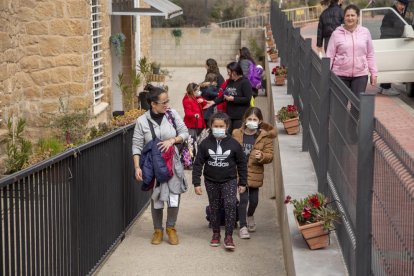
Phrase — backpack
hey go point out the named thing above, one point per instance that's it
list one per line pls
(255, 75)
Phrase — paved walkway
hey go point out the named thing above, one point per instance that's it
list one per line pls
(261, 255)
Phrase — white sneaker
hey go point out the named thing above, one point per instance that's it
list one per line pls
(244, 233)
(251, 224)
(389, 92)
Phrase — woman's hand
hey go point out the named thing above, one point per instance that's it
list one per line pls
(165, 145)
(258, 154)
(242, 189)
(209, 103)
(138, 174)
(198, 190)
(200, 100)
(373, 80)
(229, 98)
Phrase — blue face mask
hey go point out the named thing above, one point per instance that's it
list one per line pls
(219, 132)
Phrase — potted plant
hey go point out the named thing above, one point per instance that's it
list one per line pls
(177, 34)
(280, 73)
(269, 41)
(314, 218)
(289, 116)
(155, 66)
(118, 41)
(273, 53)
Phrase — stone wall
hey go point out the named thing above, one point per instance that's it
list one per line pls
(198, 44)
(45, 54)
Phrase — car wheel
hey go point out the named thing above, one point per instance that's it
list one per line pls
(410, 89)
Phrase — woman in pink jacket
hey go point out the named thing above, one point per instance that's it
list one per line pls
(351, 52)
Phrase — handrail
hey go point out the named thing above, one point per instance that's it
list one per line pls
(254, 21)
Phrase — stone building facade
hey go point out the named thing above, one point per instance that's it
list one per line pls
(46, 57)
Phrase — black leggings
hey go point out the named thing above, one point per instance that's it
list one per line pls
(249, 197)
(226, 192)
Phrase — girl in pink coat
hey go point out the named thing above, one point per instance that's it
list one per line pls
(351, 52)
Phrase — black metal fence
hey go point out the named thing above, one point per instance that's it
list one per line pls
(357, 161)
(63, 216)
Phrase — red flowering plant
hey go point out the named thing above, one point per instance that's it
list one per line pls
(287, 112)
(279, 70)
(314, 208)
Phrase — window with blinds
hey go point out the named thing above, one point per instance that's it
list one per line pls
(97, 51)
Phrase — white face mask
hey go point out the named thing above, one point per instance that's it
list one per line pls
(219, 132)
(198, 93)
(252, 125)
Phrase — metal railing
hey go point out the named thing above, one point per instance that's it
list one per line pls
(357, 161)
(298, 17)
(303, 15)
(63, 216)
(255, 21)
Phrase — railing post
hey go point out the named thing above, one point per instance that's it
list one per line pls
(307, 61)
(323, 125)
(365, 175)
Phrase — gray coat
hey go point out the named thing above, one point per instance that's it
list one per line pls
(142, 135)
(245, 64)
(142, 132)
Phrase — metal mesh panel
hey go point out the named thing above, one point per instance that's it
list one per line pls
(392, 208)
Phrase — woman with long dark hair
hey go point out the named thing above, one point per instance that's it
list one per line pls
(212, 67)
(237, 95)
(158, 121)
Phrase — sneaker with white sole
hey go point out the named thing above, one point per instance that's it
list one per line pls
(389, 92)
(244, 233)
(251, 225)
(228, 243)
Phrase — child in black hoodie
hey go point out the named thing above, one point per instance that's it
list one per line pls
(223, 160)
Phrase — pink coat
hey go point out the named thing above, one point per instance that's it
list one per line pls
(352, 53)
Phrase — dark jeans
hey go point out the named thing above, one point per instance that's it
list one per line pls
(228, 193)
(325, 42)
(356, 84)
(249, 197)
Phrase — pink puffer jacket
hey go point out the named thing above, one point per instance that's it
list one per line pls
(352, 53)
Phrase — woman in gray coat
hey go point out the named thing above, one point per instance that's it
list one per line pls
(170, 135)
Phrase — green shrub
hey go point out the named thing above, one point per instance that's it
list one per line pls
(18, 148)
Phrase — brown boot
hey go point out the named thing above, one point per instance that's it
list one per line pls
(172, 235)
(157, 237)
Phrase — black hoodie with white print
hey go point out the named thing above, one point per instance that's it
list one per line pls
(223, 160)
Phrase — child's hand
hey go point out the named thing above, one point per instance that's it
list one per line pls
(258, 154)
(242, 189)
(198, 190)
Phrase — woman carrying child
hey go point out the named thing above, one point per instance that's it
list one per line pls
(221, 159)
(209, 91)
(256, 138)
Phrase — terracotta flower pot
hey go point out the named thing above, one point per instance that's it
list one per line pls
(280, 80)
(274, 57)
(291, 125)
(314, 234)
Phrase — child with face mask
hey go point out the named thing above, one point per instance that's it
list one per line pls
(221, 159)
(256, 138)
(193, 105)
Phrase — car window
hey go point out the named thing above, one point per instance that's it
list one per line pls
(382, 23)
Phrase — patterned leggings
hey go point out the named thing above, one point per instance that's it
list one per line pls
(226, 192)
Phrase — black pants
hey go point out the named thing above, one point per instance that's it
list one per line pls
(228, 192)
(251, 198)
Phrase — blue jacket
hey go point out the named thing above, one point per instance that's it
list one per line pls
(153, 165)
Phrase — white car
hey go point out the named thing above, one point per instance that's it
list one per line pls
(394, 56)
